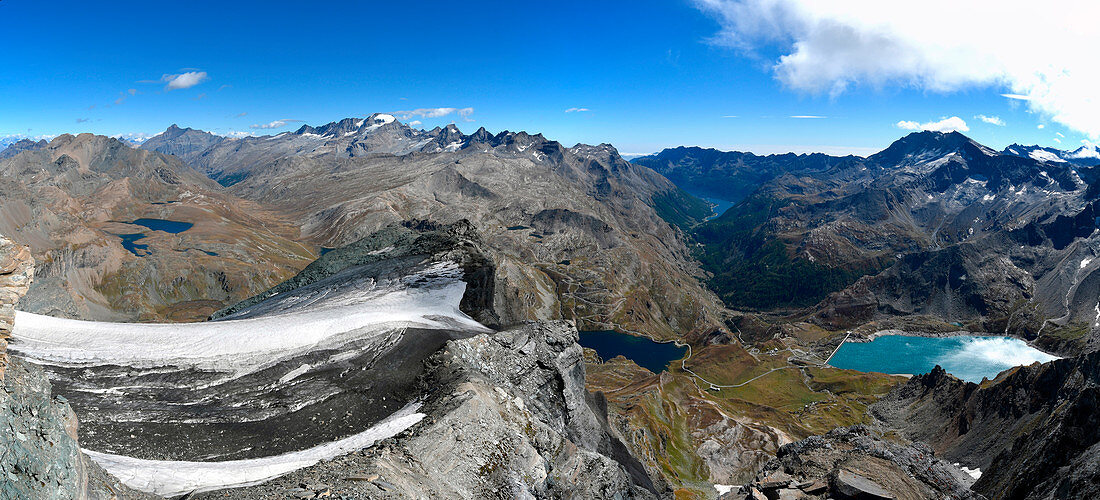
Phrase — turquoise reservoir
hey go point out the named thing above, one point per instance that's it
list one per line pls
(968, 357)
(653, 356)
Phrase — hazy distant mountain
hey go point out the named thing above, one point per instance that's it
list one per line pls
(19, 146)
(1084, 155)
(731, 175)
(185, 143)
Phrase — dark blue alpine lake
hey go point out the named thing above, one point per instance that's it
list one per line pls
(129, 241)
(653, 356)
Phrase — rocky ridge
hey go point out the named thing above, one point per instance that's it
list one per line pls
(1033, 432)
(576, 233)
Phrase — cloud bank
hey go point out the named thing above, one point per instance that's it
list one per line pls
(953, 124)
(463, 113)
(1037, 52)
(275, 124)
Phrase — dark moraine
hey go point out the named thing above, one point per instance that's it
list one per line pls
(252, 416)
(653, 356)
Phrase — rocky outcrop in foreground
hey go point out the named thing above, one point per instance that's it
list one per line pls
(39, 453)
(1034, 432)
(856, 463)
(508, 417)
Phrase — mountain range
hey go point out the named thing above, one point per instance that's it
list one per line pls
(935, 234)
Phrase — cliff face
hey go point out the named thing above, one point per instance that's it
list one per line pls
(16, 274)
(1034, 432)
(39, 453)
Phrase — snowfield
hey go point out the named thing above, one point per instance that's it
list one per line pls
(327, 317)
(354, 315)
(172, 478)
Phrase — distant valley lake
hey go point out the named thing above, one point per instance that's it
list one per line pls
(967, 357)
(129, 241)
(653, 356)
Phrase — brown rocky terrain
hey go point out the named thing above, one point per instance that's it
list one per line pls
(577, 233)
(70, 199)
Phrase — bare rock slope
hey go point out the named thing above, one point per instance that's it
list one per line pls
(74, 202)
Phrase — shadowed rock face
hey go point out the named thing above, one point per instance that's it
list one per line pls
(71, 200)
(1034, 432)
(404, 245)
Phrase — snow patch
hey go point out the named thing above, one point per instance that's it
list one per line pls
(293, 374)
(724, 488)
(241, 346)
(1043, 155)
(975, 473)
(1085, 262)
(171, 478)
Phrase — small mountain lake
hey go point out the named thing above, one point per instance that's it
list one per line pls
(129, 241)
(168, 226)
(967, 357)
(653, 356)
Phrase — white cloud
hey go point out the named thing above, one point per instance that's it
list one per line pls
(237, 134)
(1059, 141)
(1040, 126)
(415, 123)
(811, 117)
(730, 116)
(953, 124)
(1059, 134)
(275, 124)
(577, 110)
(937, 45)
(184, 80)
(992, 120)
(463, 113)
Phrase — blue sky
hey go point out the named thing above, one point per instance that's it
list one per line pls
(649, 74)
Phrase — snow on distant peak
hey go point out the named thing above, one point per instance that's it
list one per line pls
(1085, 152)
(1043, 155)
